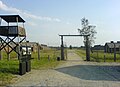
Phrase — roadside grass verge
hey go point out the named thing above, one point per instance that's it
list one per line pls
(99, 56)
(9, 69)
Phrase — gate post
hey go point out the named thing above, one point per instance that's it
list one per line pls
(62, 49)
(114, 52)
(0, 55)
(38, 51)
(87, 49)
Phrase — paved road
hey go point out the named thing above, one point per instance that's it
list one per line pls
(74, 72)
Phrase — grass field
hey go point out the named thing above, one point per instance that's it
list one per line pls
(45, 61)
(99, 56)
(8, 69)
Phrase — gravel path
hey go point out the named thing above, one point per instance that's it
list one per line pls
(74, 72)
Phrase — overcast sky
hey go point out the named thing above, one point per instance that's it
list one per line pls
(45, 19)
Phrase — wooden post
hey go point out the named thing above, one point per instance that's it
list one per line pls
(0, 55)
(119, 50)
(62, 49)
(114, 52)
(0, 21)
(48, 57)
(0, 49)
(18, 49)
(18, 41)
(104, 57)
(38, 51)
(0, 40)
(87, 49)
(8, 55)
(66, 53)
(105, 51)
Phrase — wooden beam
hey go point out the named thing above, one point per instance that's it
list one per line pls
(74, 35)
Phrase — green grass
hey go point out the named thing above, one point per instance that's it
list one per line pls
(98, 56)
(8, 69)
(45, 62)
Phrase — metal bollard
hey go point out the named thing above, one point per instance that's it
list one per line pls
(58, 58)
(22, 68)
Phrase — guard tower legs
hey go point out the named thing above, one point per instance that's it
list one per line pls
(8, 54)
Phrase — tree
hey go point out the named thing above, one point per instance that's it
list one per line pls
(87, 29)
(70, 47)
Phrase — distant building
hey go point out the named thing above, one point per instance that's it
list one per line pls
(44, 47)
(109, 47)
(98, 47)
(34, 46)
(82, 47)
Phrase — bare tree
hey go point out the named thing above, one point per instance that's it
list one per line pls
(87, 29)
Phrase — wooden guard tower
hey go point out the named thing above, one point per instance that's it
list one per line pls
(11, 35)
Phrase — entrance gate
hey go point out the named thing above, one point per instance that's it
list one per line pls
(86, 45)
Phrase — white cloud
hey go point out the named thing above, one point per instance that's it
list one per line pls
(58, 20)
(68, 23)
(4, 7)
(10, 9)
(32, 23)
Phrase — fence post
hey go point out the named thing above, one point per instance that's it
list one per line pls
(48, 57)
(104, 57)
(97, 55)
(38, 51)
(114, 52)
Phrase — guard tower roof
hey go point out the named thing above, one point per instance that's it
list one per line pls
(12, 18)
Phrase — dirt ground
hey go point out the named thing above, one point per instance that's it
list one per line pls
(74, 72)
